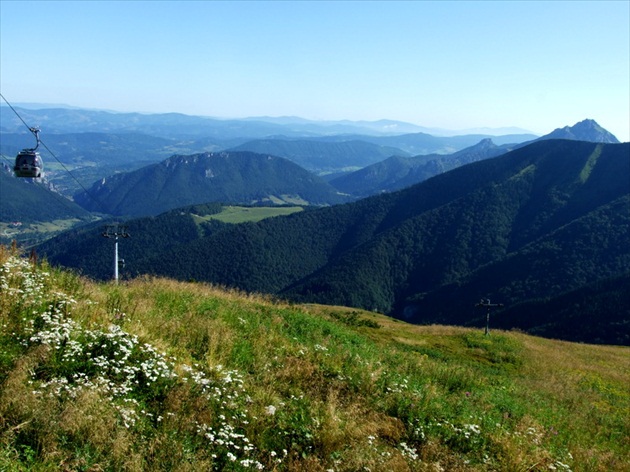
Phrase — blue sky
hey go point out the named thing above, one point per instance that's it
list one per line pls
(450, 64)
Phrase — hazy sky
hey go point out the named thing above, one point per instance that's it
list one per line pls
(537, 65)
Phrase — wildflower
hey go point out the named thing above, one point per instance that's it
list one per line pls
(408, 451)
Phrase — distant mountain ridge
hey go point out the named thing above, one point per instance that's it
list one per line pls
(96, 143)
(69, 119)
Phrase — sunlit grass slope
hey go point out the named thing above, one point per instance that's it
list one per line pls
(155, 374)
(241, 214)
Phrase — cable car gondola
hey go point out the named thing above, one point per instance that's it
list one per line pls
(28, 162)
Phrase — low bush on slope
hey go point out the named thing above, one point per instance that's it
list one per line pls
(155, 374)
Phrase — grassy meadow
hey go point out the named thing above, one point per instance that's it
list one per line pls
(158, 375)
(240, 214)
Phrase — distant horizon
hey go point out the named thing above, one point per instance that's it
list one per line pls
(491, 131)
(451, 65)
(495, 131)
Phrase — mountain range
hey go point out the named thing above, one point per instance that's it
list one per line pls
(171, 185)
(97, 144)
(539, 224)
(545, 221)
(63, 119)
(398, 172)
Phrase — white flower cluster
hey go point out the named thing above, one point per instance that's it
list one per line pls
(18, 279)
(467, 432)
(112, 362)
(57, 327)
(535, 435)
(226, 438)
(224, 389)
(408, 451)
(118, 365)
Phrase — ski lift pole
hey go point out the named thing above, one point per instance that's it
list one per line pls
(486, 303)
(114, 232)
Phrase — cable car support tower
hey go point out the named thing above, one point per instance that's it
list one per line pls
(114, 232)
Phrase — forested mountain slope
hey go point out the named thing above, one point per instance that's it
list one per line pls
(238, 177)
(27, 200)
(398, 172)
(547, 219)
(534, 223)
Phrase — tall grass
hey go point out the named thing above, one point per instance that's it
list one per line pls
(155, 374)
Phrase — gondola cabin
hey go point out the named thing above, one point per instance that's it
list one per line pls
(28, 163)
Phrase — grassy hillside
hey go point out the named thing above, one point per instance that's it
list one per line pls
(240, 214)
(162, 375)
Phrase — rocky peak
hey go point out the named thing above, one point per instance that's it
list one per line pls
(586, 130)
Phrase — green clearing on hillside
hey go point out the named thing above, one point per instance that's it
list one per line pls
(160, 375)
(240, 214)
